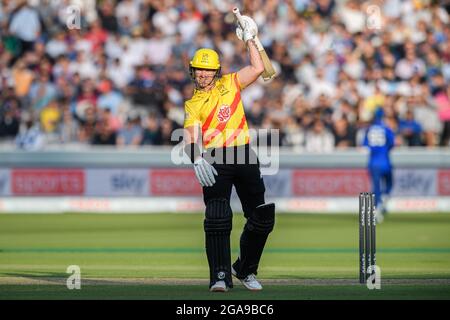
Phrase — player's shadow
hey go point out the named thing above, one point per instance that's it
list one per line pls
(289, 276)
(51, 277)
(48, 277)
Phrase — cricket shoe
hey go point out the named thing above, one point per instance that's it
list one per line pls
(249, 281)
(379, 216)
(219, 286)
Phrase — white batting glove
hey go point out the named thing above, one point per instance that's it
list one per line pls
(205, 172)
(247, 34)
(248, 30)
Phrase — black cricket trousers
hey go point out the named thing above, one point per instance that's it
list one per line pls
(245, 175)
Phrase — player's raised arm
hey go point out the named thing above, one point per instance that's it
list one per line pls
(249, 74)
(260, 64)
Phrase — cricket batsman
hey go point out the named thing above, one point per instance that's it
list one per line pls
(380, 140)
(217, 141)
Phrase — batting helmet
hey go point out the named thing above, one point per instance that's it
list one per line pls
(205, 59)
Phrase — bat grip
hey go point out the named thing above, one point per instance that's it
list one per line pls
(239, 17)
(241, 24)
(259, 44)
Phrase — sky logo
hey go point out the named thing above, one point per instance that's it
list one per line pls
(127, 182)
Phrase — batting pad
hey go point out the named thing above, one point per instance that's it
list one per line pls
(253, 239)
(218, 225)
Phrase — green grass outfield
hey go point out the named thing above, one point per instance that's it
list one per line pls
(161, 256)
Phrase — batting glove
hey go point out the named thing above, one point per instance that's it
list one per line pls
(205, 172)
(247, 34)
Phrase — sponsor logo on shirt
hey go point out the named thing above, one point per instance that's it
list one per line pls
(222, 90)
(224, 113)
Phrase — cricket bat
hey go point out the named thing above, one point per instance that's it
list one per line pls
(269, 71)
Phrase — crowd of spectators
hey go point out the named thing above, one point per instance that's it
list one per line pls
(117, 73)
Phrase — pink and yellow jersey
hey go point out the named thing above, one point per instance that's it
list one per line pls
(220, 114)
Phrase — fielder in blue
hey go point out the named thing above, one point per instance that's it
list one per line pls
(380, 140)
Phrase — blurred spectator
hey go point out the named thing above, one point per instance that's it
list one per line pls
(164, 16)
(109, 98)
(190, 21)
(410, 130)
(84, 66)
(97, 36)
(167, 128)
(128, 10)
(106, 14)
(25, 24)
(256, 114)
(57, 46)
(104, 134)
(425, 114)
(120, 75)
(321, 86)
(30, 137)
(143, 89)
(9, 118)
(152, 133)
(49, 117)
(159, 49)
(319, 138)
(42, 92)
(22, 77)
(131, 133)
(371, 103)
(86, 94)
(409, 66)
(345, 109)
(344, 134)
(88, 123)
(352, 16)
(68, 127)
(174, 113)
(113, 121)
(294, 135)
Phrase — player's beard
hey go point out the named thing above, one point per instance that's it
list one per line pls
(203, 83)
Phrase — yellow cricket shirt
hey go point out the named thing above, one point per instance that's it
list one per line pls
(220, 114)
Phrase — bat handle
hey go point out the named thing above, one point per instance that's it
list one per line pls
(241, 22)
(259, 44)
(237, 13)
